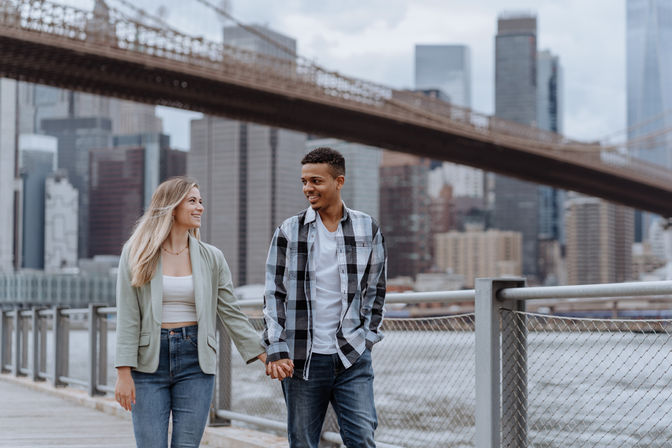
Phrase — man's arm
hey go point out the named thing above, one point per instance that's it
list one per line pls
(374, 296)
(275, 295)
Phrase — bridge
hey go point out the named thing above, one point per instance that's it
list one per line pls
(109, 54)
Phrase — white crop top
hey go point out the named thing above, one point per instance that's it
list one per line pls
(179, 304)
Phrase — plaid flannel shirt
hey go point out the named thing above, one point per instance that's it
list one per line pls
(290, 288)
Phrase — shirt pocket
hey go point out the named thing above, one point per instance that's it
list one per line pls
(144, 340)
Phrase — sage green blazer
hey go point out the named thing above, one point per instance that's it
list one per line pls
(139, 312)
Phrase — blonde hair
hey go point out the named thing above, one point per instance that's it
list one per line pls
(152, 229)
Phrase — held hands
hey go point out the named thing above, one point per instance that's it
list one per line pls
(124, 391)
(280, 369)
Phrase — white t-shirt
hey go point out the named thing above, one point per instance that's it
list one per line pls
(327, 303)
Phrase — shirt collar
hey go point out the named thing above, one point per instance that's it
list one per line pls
(311, 214)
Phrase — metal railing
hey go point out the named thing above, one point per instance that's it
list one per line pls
(499, 376)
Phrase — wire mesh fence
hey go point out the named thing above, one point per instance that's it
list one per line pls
(592, 382)
(424, 384)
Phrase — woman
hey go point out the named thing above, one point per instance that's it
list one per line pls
(170, 287)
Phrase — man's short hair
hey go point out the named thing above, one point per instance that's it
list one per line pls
(333, 158)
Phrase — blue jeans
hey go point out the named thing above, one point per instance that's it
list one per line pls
(178, 386)
(350, 392)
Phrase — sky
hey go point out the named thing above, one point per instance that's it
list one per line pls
(375, 39)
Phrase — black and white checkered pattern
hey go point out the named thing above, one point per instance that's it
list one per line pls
(290, 288)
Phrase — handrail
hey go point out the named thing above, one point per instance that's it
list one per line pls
(587, 291)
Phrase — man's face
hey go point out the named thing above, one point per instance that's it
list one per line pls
(320, 186)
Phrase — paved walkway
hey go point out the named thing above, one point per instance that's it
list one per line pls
(29, 418)
(37, 415)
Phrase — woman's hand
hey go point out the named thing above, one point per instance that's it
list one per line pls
(262, 358)
(124, 391)
(280, 369)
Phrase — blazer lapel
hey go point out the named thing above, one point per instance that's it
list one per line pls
(157, 293)
(196, 275)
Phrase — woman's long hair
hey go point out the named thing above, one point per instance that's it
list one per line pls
(152, 229)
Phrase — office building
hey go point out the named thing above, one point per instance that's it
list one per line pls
(478, 253)
(649, 95)
(516, 204)
(37, 155)
(60, 224)
(445, 68)
(405, 213)
(76, 137)
(250, 181)
(9, 184)
(119, 187)
(599, 241)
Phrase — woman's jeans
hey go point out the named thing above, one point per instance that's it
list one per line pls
(350, 392)
(178, 386)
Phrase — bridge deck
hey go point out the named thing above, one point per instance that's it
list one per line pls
(29, 418)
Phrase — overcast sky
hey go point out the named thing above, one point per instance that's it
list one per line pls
(375, 39)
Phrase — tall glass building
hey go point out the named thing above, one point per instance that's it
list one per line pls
(517, 202)
(549, 117)
(649, 71)
(447, 68)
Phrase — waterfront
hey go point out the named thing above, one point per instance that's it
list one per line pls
(593, 389)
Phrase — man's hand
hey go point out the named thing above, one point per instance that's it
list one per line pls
(280, 369)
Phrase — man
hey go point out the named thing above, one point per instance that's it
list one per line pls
(323, 308)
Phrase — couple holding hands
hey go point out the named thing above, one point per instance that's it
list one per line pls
(323, 308)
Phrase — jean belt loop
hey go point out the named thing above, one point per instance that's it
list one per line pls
(184, 332)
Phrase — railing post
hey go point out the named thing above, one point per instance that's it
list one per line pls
(25, 332)
(35, 322)
(102, 350)
(16, 365)
(514, 373)
(44, 329)
(222, 397)
(4, 341)
(59, 340)
(488, 360)
(93, 349)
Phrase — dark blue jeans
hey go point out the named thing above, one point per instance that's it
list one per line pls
(178, 386)
(350, 392)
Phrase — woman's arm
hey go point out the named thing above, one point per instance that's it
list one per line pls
(237, 324)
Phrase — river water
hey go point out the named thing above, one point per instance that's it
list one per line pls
(585, 389)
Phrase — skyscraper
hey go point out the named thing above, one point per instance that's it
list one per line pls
(60, 223)
(599, 241)
(157, 156)
(249, 174)
(119, 179)
(249, 177)
(76, 137)
(8, 168)
(649, 92)
(446, 68)
(37, 155)
(405, 213)
(649, 70)
(549, 117)
(517, 202)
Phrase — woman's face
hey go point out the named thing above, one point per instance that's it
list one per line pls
(188, 213)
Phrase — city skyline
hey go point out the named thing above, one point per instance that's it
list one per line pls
(375, 41)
